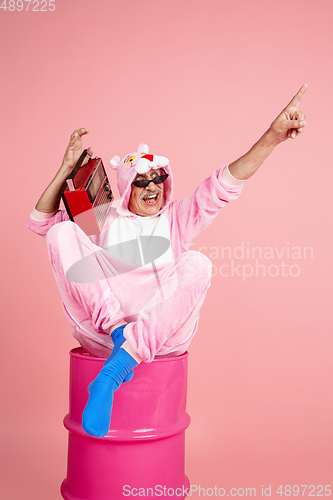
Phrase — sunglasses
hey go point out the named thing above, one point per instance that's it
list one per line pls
(145, 182)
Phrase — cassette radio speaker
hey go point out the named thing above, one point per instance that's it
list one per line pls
(87, 195)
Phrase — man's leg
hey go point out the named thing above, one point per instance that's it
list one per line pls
(97, 413)
(83, 272)
(169, 324)
(166, 326)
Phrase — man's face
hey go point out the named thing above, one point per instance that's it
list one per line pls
(149, 200)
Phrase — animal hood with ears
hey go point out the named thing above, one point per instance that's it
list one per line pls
(139, 162)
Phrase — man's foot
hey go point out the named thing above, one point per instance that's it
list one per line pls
(97, 413)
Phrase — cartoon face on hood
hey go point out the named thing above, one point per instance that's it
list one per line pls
(140, 162)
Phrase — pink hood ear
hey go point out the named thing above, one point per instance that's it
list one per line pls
(135, 163)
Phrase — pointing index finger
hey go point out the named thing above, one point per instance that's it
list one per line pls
(296, 99)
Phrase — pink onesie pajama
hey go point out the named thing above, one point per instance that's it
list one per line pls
(139, 269)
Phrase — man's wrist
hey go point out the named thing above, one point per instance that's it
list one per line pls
(64, 171)
(248, 164)
(270, 139)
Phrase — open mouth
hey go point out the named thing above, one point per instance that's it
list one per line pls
(150, 199)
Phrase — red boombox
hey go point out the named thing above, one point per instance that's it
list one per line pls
(87, 195)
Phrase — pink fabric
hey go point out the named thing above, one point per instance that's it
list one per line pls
(41, 216)
(95, 306)
(98, 290)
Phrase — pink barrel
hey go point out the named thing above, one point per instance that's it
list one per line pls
(144, 451)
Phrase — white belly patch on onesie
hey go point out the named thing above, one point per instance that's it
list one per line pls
(141, 250)
(139, 242)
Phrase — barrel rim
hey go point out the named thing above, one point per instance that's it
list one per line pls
(153, 434)
(81, 353)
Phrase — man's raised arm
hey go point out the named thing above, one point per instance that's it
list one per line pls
(50, 199)
(288, 125)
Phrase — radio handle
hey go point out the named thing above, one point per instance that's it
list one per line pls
(75, 169)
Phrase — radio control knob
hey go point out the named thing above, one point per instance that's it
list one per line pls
(107, 187)
(109, 195)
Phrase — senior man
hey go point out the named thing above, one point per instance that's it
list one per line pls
(136, 289)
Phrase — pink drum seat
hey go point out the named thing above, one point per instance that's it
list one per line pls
(145, 446)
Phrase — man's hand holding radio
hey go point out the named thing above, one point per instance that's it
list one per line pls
(74, 150)
(50, 199)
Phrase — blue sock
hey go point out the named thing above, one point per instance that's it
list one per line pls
(97, 413)
(118, 340)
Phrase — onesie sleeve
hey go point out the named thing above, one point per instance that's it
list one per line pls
(40, 223)
(194, 213)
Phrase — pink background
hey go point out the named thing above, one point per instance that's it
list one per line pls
(199, 81)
